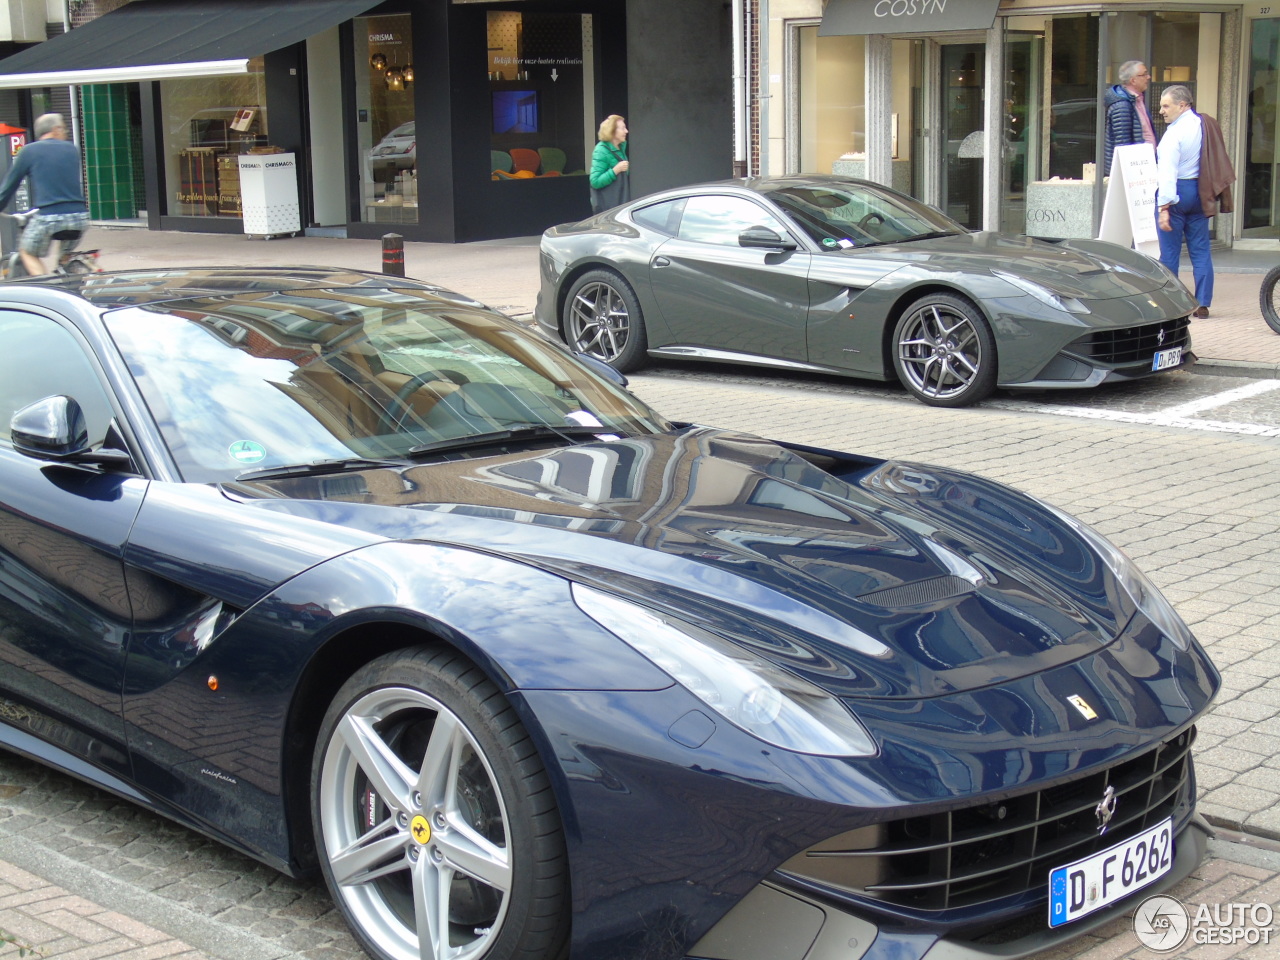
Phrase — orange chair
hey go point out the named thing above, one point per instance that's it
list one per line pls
(525, 159)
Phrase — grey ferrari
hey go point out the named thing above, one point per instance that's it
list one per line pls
(841, 276)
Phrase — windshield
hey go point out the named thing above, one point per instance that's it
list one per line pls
(856, 215)
(257, 380)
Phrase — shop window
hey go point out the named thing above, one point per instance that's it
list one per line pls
(208, 123)
(386, 132)
(539, 95)
(1261, 198)
(831, 101)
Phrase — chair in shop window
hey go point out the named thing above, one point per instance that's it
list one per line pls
(553, 161)
(524, 165)
(500, 163)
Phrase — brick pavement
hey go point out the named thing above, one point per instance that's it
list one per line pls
(60, 924)
(1213, 548)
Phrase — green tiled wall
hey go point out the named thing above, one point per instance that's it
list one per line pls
(109, 144)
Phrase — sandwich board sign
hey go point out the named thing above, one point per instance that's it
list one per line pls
(1129, 205)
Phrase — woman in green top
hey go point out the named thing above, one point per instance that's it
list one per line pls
(610, 180)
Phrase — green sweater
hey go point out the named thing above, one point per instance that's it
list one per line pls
(603, 159)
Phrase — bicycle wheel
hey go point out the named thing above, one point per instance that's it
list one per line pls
(1269, 298)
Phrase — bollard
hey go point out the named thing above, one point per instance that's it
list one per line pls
(393, 255)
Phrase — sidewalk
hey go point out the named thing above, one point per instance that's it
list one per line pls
(1235, 338)
(71, 912)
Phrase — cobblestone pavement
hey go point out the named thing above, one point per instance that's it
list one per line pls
(84, 875)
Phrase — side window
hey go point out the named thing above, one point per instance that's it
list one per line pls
(38, 359)
(663, 217)
(714, 219)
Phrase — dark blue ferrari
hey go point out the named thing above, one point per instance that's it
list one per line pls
(355, 575)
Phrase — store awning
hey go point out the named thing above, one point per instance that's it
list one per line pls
(854, 18)
(160, 39)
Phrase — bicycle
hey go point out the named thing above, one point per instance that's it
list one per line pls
(1269, 299)
(69, 261)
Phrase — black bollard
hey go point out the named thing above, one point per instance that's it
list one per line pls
(393, 255)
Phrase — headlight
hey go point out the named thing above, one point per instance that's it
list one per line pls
(1144, 593)
(1043, 294)
(753, 694)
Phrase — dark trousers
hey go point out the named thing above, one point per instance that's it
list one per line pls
(1188, 220)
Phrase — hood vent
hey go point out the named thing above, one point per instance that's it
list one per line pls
(919, 593)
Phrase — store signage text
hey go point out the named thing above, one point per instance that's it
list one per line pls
(1046, 216)
(909, 8)
(848, 18)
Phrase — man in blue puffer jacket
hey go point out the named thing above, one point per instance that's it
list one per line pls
(1127, 119)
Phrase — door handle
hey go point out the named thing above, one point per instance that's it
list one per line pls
(661, 262)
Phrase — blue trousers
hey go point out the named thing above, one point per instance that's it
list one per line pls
(1188, 220)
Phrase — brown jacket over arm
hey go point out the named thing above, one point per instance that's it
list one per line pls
(1216, 172)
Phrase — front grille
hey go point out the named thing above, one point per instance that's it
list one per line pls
(1132, 344)
(976, 855)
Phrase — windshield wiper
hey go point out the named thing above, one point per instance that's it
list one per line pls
(528, 431)
(316, 467)
(934, 235)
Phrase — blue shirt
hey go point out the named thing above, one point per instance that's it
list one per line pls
(1178, 156)
(54, 168)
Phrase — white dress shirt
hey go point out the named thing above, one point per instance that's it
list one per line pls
(1178, 156)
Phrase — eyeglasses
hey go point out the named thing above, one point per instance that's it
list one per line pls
(1142, 76)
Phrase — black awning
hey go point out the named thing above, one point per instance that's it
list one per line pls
(154, 39)
(851, 18)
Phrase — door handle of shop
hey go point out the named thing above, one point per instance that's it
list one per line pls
(661, 262)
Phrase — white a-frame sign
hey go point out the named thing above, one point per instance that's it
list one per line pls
(1129, 207)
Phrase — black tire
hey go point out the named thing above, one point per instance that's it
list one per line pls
(602, 318)
(457, 795)
(1269, 298)
(944, 351)
(76, 267)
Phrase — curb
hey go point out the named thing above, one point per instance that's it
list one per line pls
(1236, 368)
(210, 936)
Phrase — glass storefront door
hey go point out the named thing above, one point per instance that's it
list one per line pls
(1024, 75)
(1260, 183)
(963, 82)
(387, 138)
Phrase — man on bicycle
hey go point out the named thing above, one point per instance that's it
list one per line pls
(53, 164)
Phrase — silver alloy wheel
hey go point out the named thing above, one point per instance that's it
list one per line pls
(415, 828)
(599, 323)
(940, 352)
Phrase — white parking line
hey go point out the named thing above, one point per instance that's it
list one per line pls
(1179, 416)
(1220, 399)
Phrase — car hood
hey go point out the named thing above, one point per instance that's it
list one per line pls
(1086, 269)
(871, 579)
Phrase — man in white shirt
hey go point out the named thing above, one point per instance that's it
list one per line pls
(1178, 195)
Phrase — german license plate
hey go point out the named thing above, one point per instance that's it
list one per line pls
(1164, 359)
(1080, 888)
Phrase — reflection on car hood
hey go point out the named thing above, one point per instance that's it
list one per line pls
(1103, 272)
(885, 581)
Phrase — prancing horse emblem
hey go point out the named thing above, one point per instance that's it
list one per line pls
(1160, 338)
(1106, 809)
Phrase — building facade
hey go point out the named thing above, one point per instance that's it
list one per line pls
(992, 112)
(443, 120)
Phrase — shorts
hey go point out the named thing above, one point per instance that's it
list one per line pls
(39, 232)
